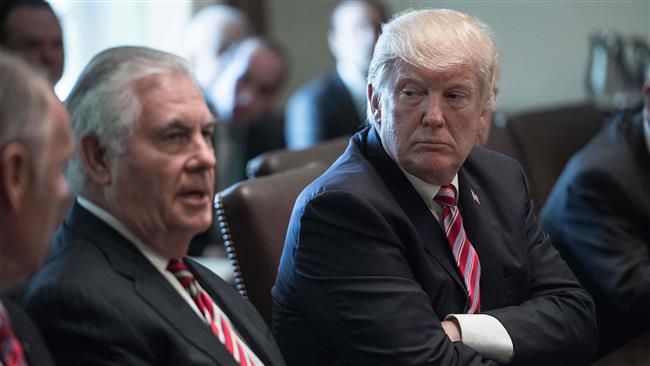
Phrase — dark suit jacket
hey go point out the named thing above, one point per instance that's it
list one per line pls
(99, 301)
(367, 275)
(598, 215)
(36, 353)
(321, 110)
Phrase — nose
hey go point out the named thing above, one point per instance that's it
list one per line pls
(246, 96)
(203, 156)
(433, 112)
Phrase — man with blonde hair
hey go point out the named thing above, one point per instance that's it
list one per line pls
(418, 247)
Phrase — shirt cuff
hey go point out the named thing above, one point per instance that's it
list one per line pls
(485, 334)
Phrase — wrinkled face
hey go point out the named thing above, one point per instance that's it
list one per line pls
(429, 120)
(36, 35)
(42, 206)
(356, 28)
(162, 183)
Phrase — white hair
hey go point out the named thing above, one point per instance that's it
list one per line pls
(213, 29)
(103, 102)
(434, 39)
(24, 109)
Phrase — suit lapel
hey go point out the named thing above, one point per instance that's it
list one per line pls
(481, 231)
(430, 233)
(149, 284)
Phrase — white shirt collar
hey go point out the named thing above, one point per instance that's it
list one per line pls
(427, 190)
(156, 259)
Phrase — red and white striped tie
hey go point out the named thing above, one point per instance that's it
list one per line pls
(219, 322)
(464, 253)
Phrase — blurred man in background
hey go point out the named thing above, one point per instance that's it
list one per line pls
(211, 32)
(598, 215)
(252, 74)
(334, 104)
(31, 29)
(35, 143)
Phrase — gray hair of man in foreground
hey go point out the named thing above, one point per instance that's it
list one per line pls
(103, 101)
(23, 105)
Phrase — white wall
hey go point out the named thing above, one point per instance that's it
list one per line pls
(90, 27)
(543, 44)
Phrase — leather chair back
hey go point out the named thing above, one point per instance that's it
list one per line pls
(281, 160)
(253, 217)
(545, 140)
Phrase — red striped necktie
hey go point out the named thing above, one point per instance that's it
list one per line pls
(219, 322)
(11, 352)
(464, 254)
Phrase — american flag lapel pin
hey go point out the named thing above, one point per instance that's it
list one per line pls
(475, 197)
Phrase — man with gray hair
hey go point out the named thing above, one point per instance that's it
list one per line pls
(417, 247)
(35, 143)
(117, 287)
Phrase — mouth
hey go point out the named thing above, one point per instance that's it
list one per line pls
(432, 145)
(195, 196)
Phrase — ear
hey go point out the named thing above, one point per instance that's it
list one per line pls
(95, 159)
(375, 107)
(16, 174)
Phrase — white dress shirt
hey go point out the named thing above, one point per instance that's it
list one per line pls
(158, 261)
(482, 332)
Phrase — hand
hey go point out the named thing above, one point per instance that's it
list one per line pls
(452, 329)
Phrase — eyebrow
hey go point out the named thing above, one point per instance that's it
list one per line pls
(177, 123)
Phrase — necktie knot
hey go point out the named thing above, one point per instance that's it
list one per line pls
(446, 196)
(178, 268)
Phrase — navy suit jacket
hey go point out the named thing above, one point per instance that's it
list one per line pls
(367, 275)
(99, 301)
(34, 348)
(598, 215)
(321, 110)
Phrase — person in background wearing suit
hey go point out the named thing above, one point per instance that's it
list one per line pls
(117, 287)
(243, 95)
(31, 29)
(35, 143)
(333, 105)
(418, 247)
(598, 215)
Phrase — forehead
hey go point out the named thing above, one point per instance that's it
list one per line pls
(456, 75)
(27, 21)
(265, 66)
(352, 13)
(170, 95)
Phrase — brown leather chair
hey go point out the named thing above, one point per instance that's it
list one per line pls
(545, 140)
(281, 160)
(253, 216)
